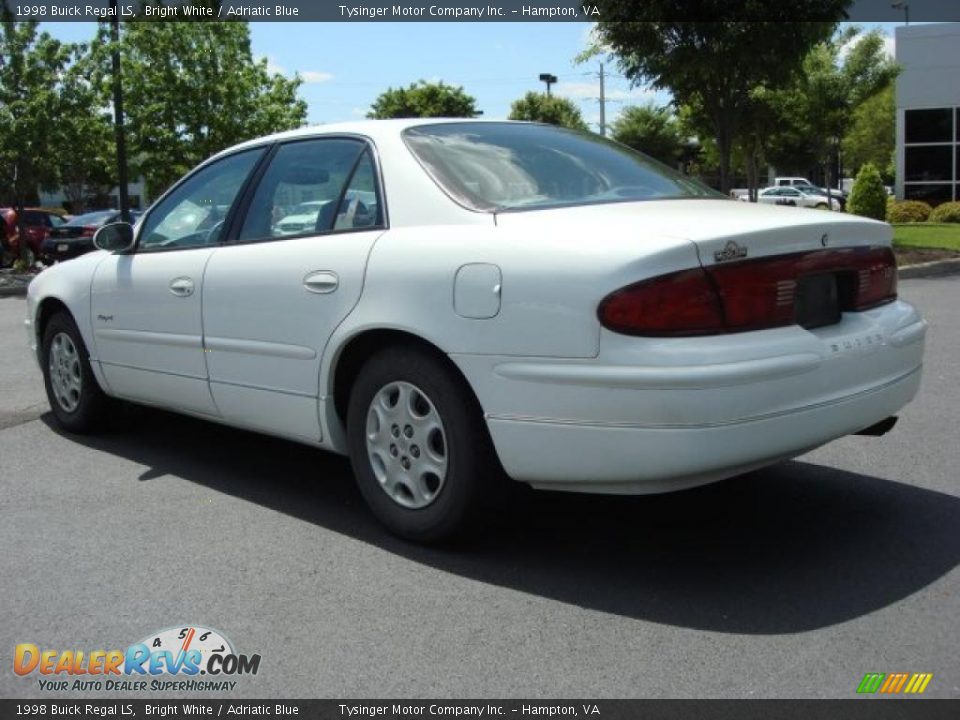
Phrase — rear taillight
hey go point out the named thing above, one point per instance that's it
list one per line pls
(88, 231)
(749, 295)
(876, 281)
(681, 303)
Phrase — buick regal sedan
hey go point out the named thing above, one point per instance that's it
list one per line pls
(477, 297)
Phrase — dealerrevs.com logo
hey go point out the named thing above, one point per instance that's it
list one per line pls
(173, 659)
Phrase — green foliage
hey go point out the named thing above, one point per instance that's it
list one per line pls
(539, 107)
(191, 90)
(870, 137)
(30, 67)
(839, 75)
(423, 99)
(652, 130)
(868, 197)
(85, 159)
(907, 211)
(948, 212)
(713, 64)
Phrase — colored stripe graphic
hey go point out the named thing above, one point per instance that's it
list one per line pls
(895, 683)
(870, 683)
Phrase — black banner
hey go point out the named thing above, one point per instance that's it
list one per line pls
(855, 709)
(450, 10)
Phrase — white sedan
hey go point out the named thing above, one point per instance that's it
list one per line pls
(794, 197)
(484, 297)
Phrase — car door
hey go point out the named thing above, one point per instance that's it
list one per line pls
(147, 323)
(274, 295)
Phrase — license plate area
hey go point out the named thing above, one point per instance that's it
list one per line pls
(817, 301)
(62, 247)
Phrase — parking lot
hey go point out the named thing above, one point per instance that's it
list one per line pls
(792, 581)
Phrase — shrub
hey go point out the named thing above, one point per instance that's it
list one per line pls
(868, 197)
(946, 213)
(907, 211)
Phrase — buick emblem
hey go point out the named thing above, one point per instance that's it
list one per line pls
(825, 240)
(731, 251)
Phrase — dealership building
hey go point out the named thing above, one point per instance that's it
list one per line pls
(928, 112)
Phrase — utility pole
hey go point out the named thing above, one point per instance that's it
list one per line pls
(119, 134)
(603, 105)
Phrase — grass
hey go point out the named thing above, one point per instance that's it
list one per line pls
(943, 236)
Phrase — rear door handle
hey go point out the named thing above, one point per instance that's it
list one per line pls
(182, 286)
(321, 281)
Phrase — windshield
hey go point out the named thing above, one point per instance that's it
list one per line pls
(98, 217)
(512, 166)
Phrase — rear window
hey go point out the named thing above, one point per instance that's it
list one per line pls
(514, 166)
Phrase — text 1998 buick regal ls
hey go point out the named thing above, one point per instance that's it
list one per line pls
(476, 294)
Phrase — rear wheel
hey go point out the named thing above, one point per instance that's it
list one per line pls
(418, 445)
(820, 206)
(76, 399)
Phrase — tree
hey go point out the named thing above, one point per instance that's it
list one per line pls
(868, 197)
(423, 99)
(839, 75)
(715, 64)
(193, 89)
(652, 130)
(538, 107)
(85, 157)
(871, 135)
(30, 67)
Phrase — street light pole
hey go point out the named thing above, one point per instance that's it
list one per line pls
(549, 80)
(905, 6)
(119, 134)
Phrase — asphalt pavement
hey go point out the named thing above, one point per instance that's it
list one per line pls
(792, 581)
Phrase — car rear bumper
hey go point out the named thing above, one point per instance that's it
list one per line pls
(653, 415)
(635, 460)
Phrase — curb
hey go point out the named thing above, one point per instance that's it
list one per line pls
(937, 268)
(15, 291)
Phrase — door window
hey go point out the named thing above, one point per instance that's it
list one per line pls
(313, 187)
(360, 207)
(193, 214)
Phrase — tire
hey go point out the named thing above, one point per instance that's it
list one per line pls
(78, 403)
(423, 484)
(820, 206)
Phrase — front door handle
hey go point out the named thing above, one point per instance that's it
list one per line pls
(321, 281)
(182, 286)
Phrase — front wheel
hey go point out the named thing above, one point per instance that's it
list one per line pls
(418, 445)
(76, 399)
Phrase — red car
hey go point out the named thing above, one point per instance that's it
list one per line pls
(38, 223)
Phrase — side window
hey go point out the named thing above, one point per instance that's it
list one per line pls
(298, 193)
(194, 213)
(360, 207)
(55, 220)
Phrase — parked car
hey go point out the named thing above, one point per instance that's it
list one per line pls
(39, 223)
(510, 295)
(796, 198)
(304, 217)
(804, 185)
(75, 237)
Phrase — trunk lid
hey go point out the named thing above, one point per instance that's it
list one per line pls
(722, 230)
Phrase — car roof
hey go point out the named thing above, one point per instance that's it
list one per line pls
(374, 129)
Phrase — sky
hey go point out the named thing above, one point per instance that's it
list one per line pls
(346, 65)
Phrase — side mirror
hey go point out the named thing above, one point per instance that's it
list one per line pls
(114, 237)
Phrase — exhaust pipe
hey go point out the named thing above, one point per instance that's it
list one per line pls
(880, 428)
